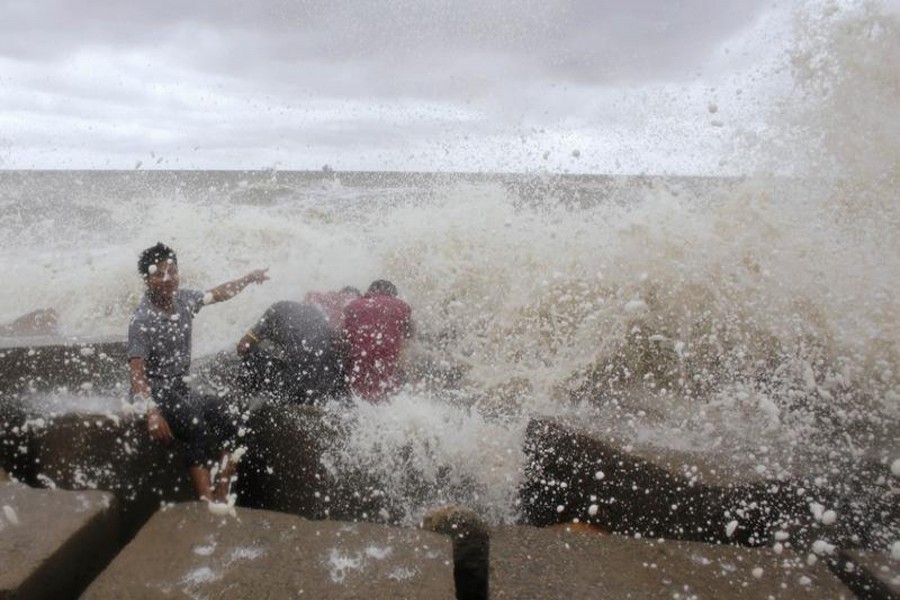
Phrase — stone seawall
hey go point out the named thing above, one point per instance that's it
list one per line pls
(53, 543)
(678, 522)
(650, 492)
(49, 363)
(34, 367)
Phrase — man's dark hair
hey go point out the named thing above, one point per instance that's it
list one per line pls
(153, 255)
(348, 290)
(382, 286)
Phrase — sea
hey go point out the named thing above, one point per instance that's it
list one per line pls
(755, 315)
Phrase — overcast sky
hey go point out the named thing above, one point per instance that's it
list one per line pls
(473, 85)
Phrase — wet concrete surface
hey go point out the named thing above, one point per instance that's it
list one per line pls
(50, 362)
(185, 551)
(528, 562)
(572, 475)
(283, 468)
(53, 542)
(111, 453)
(871, 574)
(576, 474)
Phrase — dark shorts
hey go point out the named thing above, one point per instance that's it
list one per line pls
(203, 425)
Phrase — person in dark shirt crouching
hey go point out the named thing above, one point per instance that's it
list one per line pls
(292, 355)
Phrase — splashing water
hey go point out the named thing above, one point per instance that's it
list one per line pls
(688, 312)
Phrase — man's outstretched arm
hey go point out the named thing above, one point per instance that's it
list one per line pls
(231, 289)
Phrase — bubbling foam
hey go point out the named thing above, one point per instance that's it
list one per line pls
(696, 313)
(707, 314)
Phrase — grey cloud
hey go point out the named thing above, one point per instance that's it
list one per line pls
(233, 76)
(404, 40)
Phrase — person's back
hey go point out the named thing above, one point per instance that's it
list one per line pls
(375, 327)
(305, 347)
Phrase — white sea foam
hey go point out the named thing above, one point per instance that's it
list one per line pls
(340, 564)
(698, 314)
(378, 553)
(403, 573)
(206, 550)
(11, 515)
(200, 575)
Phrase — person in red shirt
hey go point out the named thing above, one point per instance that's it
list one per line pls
(375, 329)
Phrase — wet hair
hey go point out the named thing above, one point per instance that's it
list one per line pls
(349, 290)
(382, 286)
(153, 255)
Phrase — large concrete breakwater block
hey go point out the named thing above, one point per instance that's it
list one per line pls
(283, 468)
(528, 562)
(187, 552)
(286, 466)
(14, 440)
(34, 366)
(53, 542)
(50, 363)
(573, 474)
(110, 453)
(870, 573)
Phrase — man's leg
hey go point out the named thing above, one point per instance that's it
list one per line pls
(188, 420)
(227, 469)
(181, 414)
(200, 478)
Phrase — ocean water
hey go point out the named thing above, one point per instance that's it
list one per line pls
(755, 316)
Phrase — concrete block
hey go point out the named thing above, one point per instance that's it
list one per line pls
(283, 469)
(573, 474)
(103, 452)
(53, 542)
(32, 366)
(528, 562)
(185, 551)
(50, 363)
(871, 574)
(15, 442)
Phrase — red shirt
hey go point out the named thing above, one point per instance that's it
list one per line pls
(375, 327)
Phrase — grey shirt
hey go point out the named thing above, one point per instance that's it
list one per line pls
(163, 340)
